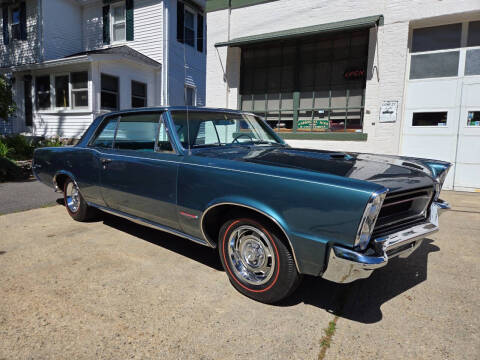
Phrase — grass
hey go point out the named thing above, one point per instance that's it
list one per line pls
(326, 340)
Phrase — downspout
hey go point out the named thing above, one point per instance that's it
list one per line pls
(227, 89)
(166, 42)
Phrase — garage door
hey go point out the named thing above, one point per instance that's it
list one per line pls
(442, 107)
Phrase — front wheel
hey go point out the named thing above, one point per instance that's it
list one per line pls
(257, 262)
(76, 205)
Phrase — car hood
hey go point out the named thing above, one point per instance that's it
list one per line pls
(394, 172)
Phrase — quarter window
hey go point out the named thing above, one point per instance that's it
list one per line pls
(42, 91)
(62, 96)
(109, 94)
(429, 118)
(106, 133)
(79, 89)
(137, 132)
(118, 22)
(139, 94)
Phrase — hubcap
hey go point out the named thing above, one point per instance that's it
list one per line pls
(73, 197)
(251, 254)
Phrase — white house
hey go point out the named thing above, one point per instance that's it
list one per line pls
(71, 60)
(380, 76)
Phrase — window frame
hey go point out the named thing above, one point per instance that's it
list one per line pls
(145, 98)
(50, 90)
(193, 29)
(113, 23)
(421, 111)
(111, 92)
(19, 24)
(194, 89)
(54, 94)
(72, 91)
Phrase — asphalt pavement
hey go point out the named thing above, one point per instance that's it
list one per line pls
(25, 195)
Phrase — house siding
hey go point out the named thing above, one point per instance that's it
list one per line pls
(186, 65)
(62, 29)
(148, 28)
(19, 52)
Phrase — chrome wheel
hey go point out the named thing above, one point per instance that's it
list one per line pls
(251, 254)
(72, 197)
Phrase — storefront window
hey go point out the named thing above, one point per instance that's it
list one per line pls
(313, 84)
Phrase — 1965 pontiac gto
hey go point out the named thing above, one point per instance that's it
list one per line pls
(224, 179)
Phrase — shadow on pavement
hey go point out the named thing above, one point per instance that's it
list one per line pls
(358, 301)
(361, 300)
(184, 247)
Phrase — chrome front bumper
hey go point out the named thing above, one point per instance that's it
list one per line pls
(346, 265)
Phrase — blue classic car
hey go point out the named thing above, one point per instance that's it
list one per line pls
(224, 179)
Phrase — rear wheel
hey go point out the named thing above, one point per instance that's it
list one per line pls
(257, 262)
(76, 205)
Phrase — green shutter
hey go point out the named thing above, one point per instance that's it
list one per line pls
(106, 24)
(23, 21)
(129, 19)
(6, 39)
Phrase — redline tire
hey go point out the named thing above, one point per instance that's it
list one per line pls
(279, 276)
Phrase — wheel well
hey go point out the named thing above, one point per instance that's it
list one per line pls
(217, 216)
(60, 181)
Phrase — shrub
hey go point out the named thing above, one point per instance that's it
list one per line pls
(9, 171)
(22, 147)
(4, 149)
(52, 142)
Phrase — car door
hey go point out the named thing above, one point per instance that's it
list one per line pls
(139, 173)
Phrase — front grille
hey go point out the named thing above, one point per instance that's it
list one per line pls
(402, 210)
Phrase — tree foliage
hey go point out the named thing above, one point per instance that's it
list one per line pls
(7, 105)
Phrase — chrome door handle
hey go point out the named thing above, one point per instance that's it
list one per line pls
(105, 161)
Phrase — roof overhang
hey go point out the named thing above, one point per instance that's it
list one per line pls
(346, 25)
(75, 60)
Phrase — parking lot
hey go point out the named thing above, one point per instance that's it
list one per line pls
(113, 289)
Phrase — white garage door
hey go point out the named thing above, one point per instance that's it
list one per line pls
(442, 107)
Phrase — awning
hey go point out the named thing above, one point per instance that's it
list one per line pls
(346, 25)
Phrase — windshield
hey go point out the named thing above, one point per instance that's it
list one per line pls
(205, 129)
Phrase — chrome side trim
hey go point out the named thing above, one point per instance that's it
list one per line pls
(150, 224)
(254, 209)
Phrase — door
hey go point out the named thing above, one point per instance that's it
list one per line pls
(467, 174)
(139, 172)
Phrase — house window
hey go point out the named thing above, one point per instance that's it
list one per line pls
(189, 25)
(190, 96)
(62, 95)
(109, 94)
(79, 82)
(430, 118)
(16, 24)
(118, 22)
(139, 94)
(42, 91)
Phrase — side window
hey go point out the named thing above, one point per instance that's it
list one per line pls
(106, 133)
(164, 144)
(137, 132)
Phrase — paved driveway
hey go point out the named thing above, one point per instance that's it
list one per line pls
(113, 289)
(25, 195)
